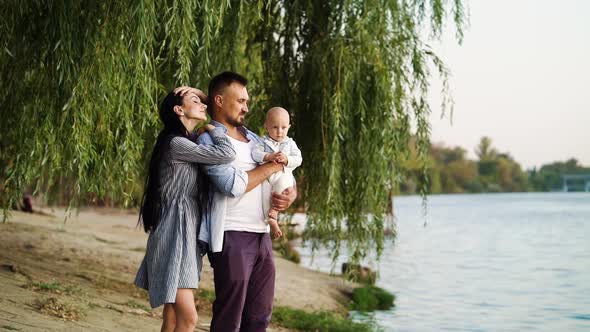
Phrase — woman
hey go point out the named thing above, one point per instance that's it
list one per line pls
(176, 195)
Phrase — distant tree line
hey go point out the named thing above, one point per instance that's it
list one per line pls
(548, 177)
(450, 171)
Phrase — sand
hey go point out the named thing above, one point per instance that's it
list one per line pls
(77, 276)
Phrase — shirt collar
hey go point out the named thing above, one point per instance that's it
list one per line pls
(242, 129)
(267, 137)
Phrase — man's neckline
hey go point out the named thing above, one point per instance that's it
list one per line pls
(237, 140)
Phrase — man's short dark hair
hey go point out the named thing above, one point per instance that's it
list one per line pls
(222, 81)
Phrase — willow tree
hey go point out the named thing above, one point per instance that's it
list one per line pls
(80, 83)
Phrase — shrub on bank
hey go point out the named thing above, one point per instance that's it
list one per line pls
(371, 298)
(317, 321)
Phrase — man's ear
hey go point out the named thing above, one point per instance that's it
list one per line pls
(218, 100)
(178, 110)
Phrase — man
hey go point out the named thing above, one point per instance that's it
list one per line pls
(240, 248)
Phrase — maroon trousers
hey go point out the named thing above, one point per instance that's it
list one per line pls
(244, 275)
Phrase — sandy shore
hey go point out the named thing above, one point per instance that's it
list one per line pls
(83, 270)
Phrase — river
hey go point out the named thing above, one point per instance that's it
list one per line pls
(485, 262)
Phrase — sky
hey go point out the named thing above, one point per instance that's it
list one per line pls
(520, 77)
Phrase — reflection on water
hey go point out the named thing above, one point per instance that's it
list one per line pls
(490, 262)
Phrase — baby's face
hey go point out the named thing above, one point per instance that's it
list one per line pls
(277, 125)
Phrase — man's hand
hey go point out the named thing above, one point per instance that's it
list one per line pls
(184, 90)
(281, 201)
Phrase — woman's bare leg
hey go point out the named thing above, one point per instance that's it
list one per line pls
(169, 323)
(186, 313)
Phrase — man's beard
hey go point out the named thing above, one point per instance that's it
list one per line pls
(238, 122)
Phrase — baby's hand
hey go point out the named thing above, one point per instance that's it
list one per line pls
(271, 156)
(281, 158)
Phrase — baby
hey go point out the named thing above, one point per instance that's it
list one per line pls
(278, 148)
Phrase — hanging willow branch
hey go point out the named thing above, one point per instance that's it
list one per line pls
(81, 82)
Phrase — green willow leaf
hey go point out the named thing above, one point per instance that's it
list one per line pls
(81, 82)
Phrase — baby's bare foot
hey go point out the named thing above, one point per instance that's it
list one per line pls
(275, 229)
(276, 232)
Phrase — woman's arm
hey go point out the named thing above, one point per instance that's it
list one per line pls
(221, 152)
(184, 90)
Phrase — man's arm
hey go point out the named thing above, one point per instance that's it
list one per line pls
(260, 173)
(232, 181)
(225, 178)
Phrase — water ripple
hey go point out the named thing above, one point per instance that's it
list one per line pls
(502, 262)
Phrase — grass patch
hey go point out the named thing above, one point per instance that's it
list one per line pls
(207, 295)
(103, 282)
(10, 328)
(371, 298)
(54, 287)
(45, 286)
(137, 305)
(204, 299)
(64, 310)
(317, 321)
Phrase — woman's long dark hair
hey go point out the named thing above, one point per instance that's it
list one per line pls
(151, 202)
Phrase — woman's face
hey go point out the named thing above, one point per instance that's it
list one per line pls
(194, 108)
